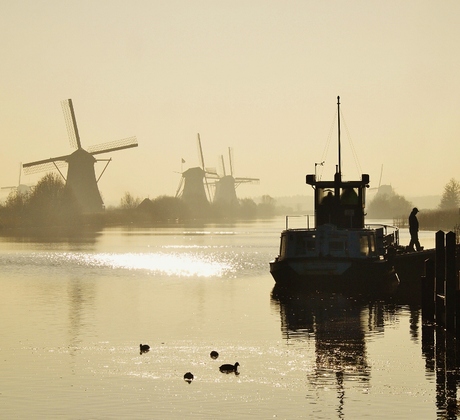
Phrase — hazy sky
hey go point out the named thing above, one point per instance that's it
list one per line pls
(259, 76)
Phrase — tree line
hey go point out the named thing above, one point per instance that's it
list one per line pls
(390, 205)
(51, 204)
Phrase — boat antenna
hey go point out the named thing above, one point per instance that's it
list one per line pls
(338, 120)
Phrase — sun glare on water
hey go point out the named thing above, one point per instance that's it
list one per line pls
(176, 264)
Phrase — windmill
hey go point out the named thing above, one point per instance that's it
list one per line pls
(81, 178)
(384, 189)
(194, 187)
(20, 188)
(226, 185)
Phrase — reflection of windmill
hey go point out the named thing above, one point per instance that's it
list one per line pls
(226, 185)
(194, 180)
(81, 178)
(20, 188)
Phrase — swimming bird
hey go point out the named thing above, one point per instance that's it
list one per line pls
(144, 348)
(228, 368)
(188, 377)
(214, 354)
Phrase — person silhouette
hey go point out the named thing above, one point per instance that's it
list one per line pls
(413, 230)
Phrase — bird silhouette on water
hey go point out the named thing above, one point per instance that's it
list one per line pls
(214, 354)
(144, 348)
(228, 368)
(188, 377)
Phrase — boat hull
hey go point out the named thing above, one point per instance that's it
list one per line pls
(410, 266)
(334, 274)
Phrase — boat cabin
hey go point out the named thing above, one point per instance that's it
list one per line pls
(328, 241)
(340, 203)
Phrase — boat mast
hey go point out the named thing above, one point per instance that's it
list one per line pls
(338, 120)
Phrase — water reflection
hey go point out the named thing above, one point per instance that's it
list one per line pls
(81, 298)
(441, 351)
(80, 235)
(338, 325)
(177, 264)
(334, 321)
(181, 264)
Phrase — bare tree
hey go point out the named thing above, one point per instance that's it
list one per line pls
(451, 197)
(128, 201)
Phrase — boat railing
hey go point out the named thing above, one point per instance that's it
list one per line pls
(390, 232)
(306, 217)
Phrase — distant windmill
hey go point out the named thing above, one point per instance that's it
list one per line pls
(384, 189)
(20, 188)
(194, 187)
(226, 185)
(81, 178)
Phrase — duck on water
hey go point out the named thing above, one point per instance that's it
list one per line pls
(342, 252)
(229, 368)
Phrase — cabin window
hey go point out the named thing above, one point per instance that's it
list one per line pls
(349, 196)
(372, 245)
(326, 196)
(337, 248)
(283, 247)
(364, 245)
(304, 245)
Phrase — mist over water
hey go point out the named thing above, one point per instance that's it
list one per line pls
(74, 312)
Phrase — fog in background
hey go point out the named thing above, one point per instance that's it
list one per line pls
(261, 77)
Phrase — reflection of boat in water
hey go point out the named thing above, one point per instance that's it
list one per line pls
(343, 329)
(337, 326)
(341, 252)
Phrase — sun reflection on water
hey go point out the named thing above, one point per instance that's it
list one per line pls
(172, 264)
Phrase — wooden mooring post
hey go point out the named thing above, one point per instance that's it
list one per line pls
(440, 289)
(441, 321)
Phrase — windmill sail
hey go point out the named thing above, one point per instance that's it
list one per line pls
(113, 146)
(71, 123)
(27, 166)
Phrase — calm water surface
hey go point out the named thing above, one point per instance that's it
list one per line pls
(74, 311)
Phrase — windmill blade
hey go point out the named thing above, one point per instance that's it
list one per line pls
(222, 164)
(71, 123)
(179, 188)
(20, 172)
(247, 179)
(45, 165)
(239, 181)
(113, 146)
(200, 152)
(230, 159)
(200, 149)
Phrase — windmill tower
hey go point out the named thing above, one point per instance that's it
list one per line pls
(81, 178)
(194, 187)
(226, 185)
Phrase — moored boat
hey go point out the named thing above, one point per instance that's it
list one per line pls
(340, 252)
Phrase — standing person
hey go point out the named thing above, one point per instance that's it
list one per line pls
(413, 229)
